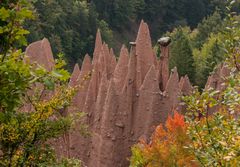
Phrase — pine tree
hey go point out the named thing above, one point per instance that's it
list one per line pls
(207, 58)
(181, 54)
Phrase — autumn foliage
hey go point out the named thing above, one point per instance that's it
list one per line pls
(166, 147)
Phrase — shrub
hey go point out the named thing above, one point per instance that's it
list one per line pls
(166, 147)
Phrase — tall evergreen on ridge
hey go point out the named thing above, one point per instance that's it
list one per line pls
(181, 55)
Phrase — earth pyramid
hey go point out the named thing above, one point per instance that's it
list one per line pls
(123, 100)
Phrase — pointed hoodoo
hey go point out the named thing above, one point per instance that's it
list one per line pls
(83, 83)
(130, 87)
(96, 130)
(106, 52)
(102, 64)
(74, 83)
(48, 52)
(87, 64)
(213, 80)
(74, 76)
(130, 82)
(173, 79)
(107, 59)
(216, 80)
(144, 53)
(80, 145)
(112, 53)
(40, 52)
(113, 62)
(111, 130)
(121, 69)
(98, 46)
(92, 90)
(143, 115)
(172, 89)
(128, 99)
(102, 93)
(224, 73)
(185, 85)
(86, 69)
(164, 62)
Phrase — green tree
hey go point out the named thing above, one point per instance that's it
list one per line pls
(211, 54)
(71, 25)
(181, 55)
(119, 13)
(198, 10)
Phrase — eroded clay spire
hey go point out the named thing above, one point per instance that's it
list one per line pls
(48, 52)
(83, 82)
(144, 53)
(148, 90)
(107, 59)
(111, 130)
(185, 85)
(172, 89)
(213, 80)
(40, 52)
(98, 46)
(121, 69)
(74, 76)
(130, 87)
(86, 65)
(94, 157)
(113, 62)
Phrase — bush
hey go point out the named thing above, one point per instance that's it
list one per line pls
(166, 147)
(25, 133)
(213, 116)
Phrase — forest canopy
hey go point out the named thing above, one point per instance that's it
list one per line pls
(71, 25)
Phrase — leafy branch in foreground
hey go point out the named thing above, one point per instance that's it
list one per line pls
(213, 116)
(31, 98)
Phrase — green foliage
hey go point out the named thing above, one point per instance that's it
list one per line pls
(206, 59)
(181, 53)
(137, 158)
(118, 13)
(31, 97)
(70, 26)
(68, 163)
(204, 44)
(165, 15)
(11, 30)
(215, 138)
(210, 25)
(213, 116)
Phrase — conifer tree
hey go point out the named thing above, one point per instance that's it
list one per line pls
(181, 55)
